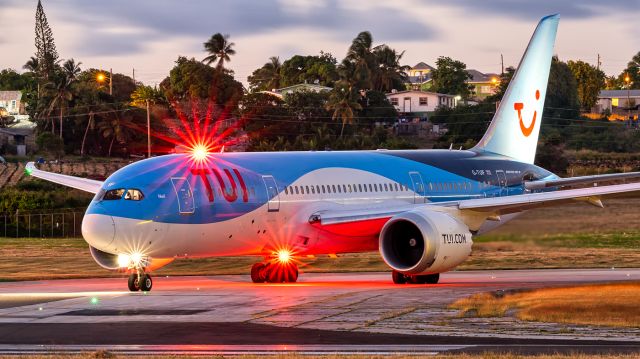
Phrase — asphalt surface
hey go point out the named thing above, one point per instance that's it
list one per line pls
(322, 313)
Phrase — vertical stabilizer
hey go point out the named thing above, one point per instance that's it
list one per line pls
(514, 130)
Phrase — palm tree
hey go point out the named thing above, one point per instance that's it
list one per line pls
(268, 76)
(61, 88)
(33, 65)
(144, 96)
(389, 72)
(342, 102)
(219, 48)
(361, 55)
(117, 128)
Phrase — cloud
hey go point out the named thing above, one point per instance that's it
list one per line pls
(166, 19)
(533, 9)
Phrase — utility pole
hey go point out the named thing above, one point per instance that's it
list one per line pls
(148, 131)
(598, 63)
(501, 65)
(134, 76)
(111, 82)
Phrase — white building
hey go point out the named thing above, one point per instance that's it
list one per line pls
(612, 100)
(420, 102)
(11, 102)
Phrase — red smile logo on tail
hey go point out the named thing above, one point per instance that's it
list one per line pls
(518, 106)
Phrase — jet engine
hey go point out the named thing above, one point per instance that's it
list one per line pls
(424, 241)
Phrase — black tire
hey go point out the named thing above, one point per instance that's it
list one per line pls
(425, 279)
(134, 285)
(432, 278)
(257, 273)
(398, 278)
(146, 283)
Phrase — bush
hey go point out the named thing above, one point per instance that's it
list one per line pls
(49, 143)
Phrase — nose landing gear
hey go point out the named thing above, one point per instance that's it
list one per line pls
(140, 281)
(274, 272)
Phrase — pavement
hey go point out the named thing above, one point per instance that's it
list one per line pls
(322, 313)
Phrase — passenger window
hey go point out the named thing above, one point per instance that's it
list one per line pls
(334, 188)
(286, 190)
(323, 189)
(113, 194)
(344, 188)
(296, 187)
(307, 190)
(360, 187)
(318, 189)
(133, 195)
(385, 188)
(350, 189)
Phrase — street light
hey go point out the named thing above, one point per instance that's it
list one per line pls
(627, 79)
(101, 77)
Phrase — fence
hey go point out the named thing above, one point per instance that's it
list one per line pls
(59, 224)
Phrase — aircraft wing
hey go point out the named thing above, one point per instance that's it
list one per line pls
(84, 184)
(484, 206)
(595, 179)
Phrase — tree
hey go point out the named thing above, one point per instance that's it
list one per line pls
(190, 79)
(450, 77)
(61, 89)
(118, 128)
(590, 81)
(362, 60)
(633, 71)
(46, 52)
(145, 96)
(343, 104)
(219, 48)
(561, 101)
(389, 74)
(319, 69)
(267, 77)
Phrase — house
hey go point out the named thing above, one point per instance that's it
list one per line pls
(617, 101)
(11, 102)
(484, 85)
(18, 137)
(419, 76)
(305, 87)
(418, 103)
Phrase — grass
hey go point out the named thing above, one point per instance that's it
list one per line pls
(602, 304)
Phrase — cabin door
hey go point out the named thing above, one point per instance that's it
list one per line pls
(184, 193)
(502, 182)
(272, 193)
(418, 187)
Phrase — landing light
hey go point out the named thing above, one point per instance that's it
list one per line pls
(199, 152)
(136, 258)
(123, 260)
(284, 256)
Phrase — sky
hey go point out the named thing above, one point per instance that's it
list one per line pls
(149, 35)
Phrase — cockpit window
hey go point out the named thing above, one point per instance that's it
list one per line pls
(134, 195)
(113, 194)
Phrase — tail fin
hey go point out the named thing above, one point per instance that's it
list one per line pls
(514, 130)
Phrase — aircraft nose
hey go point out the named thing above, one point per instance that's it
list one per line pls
(98, 230)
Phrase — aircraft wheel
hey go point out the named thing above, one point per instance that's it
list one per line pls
(398, 278)
(146, 283)
(257, 273)
(425, 279)
(134, 283)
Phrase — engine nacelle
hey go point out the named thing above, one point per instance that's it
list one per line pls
(111, 262)
(424, 241)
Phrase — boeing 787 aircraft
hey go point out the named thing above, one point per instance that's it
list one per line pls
(419, 208)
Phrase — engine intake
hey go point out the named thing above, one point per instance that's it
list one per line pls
(424, 241)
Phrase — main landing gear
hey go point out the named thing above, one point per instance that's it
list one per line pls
(274, 271)
(400, 278)
(140, 281)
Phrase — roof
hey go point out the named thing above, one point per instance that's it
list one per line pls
(422, 66)
(10, 95)
(419, 92)
(477, 76)
(314, 87)
(17, 131)
(619, 93)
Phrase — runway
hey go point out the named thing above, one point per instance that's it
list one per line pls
(333, 312)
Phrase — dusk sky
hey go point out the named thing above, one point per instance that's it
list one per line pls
(149, 35)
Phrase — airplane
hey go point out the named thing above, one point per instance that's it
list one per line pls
(419, 208)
